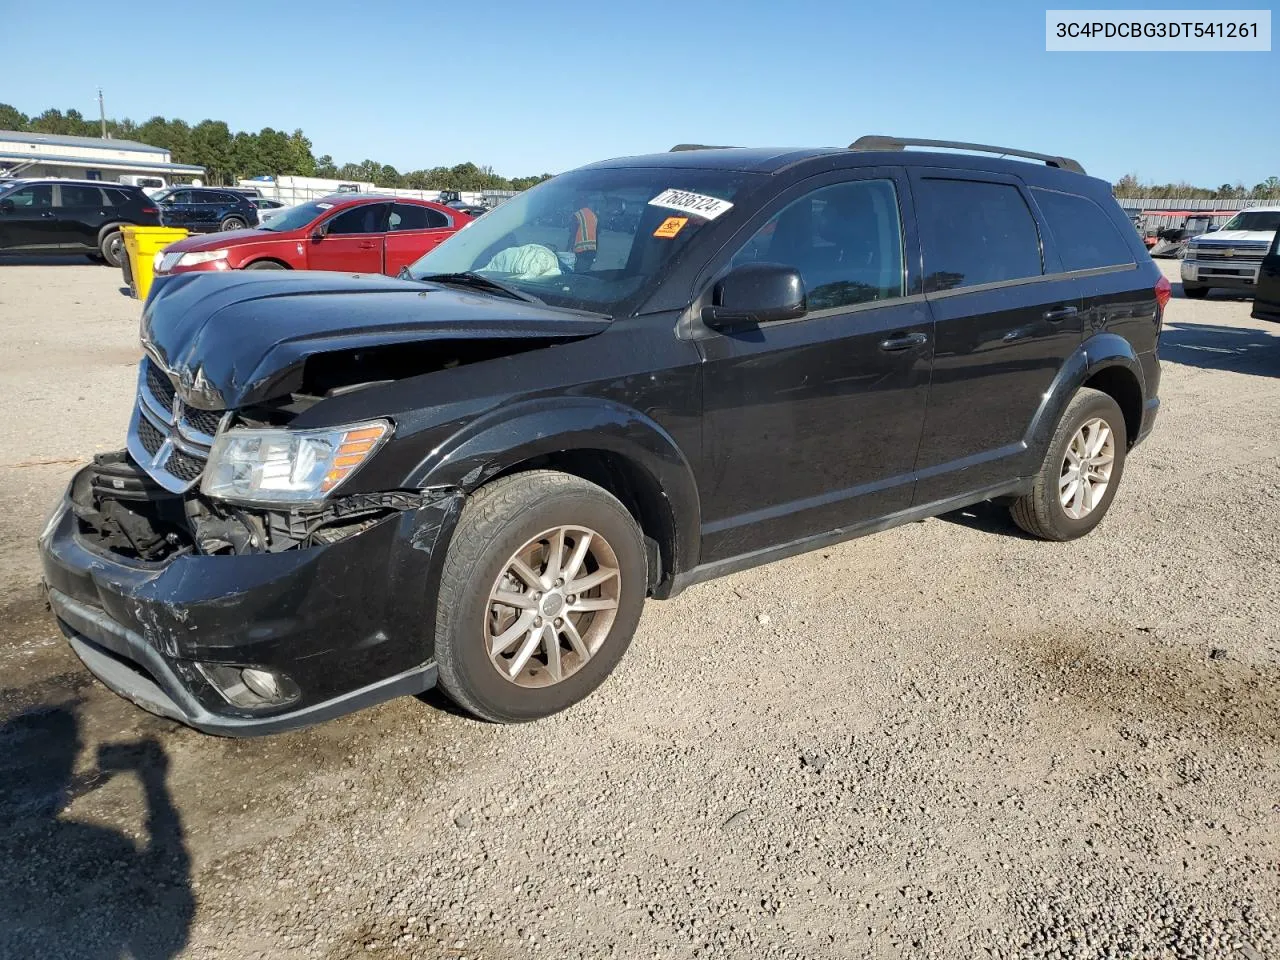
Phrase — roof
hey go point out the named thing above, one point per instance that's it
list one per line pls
(63, 140)
(747, 159)
(159, 166)
(772, 160)
(10, 181)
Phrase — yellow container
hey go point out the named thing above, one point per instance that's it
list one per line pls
(141, 244)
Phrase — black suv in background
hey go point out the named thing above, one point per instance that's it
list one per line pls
(206, 209)
(340, 488)
(63, 216)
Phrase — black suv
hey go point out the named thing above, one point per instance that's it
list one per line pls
(342, 488)
(206, 210)
(62, 216)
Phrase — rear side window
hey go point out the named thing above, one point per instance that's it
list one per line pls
(975, 232)
(1083, 232)
(74, 196)
(119, 198)
(845, 239)
(406, 216)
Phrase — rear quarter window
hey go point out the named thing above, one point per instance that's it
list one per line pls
(974, 232)
(1085, 236)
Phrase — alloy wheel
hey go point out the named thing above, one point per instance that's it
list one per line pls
(551, 608)
(1086, 468)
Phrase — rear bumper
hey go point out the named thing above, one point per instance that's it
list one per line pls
(349, 623)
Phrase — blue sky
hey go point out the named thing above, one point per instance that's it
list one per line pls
(531, 87)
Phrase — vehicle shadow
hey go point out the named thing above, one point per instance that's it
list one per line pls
(988, 517)
(49, 260)
(77, 890)
(1212, 347)
(1215, 293)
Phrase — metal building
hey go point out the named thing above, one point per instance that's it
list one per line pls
(24, 154)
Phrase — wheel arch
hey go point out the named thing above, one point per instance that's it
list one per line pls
(111, 227)
(619, 449)
(1122, 385)
(1106, 362)
(249, 263)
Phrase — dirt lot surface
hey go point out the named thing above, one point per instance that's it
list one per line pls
(943, 741)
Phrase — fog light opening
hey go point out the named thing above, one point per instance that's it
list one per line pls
(250, 687)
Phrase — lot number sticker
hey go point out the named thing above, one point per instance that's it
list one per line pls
(695, 203)
(670, 226)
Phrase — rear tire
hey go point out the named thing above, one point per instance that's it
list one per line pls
(233, 223)
(1194, 293)
(266, 265)
(1043, 513)
(528, 519)
(112, 248)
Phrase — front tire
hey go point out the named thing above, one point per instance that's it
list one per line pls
(1081, 470)
(541, 592)
(112, 248)
(266, 265)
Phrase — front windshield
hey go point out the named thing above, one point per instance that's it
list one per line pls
(297, 217)
(1265, 220)
(589, 239)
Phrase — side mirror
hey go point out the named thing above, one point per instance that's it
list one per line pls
(756, 293)
(6, 206)
(318, 233)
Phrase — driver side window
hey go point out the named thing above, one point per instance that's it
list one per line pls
(40, 195)
(845, 239)
(366, 218)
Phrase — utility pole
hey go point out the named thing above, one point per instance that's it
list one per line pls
(102, 114)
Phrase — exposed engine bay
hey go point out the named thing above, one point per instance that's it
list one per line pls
(121, 510)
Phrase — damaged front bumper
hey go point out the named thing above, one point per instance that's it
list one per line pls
(341, 625)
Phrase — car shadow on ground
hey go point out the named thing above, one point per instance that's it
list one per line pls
(1209, 346)
(80, 890)
(1215, 293)
(51, 260)
(989, 517)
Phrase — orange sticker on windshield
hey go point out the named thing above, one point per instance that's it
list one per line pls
(671, 226)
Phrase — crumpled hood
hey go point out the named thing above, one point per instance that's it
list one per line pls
(234, 338)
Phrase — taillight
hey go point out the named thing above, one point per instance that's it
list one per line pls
(1164, 291)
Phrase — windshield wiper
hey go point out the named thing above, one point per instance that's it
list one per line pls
(471, 278)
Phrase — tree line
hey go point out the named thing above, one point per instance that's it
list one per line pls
(228, 157)
(1131, 187)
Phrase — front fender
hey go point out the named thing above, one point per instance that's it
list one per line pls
(1097, 353)
(509, 436)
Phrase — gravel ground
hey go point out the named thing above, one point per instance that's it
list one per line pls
(944, 741)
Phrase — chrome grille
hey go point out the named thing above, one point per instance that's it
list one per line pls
(1248, 255)
(167, 438)
(203, 421)
(152, 439)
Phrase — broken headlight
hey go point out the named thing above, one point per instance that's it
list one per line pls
(288, 466)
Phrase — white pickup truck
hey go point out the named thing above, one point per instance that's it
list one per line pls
(1232, 256)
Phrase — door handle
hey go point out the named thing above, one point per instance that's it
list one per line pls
(904, 341)
(1053, 316)
(48, 214)
(367, 245)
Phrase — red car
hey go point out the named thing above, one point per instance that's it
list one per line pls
(354, 234)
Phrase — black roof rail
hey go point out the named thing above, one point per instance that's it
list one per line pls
(869, 143)
(679, 147)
